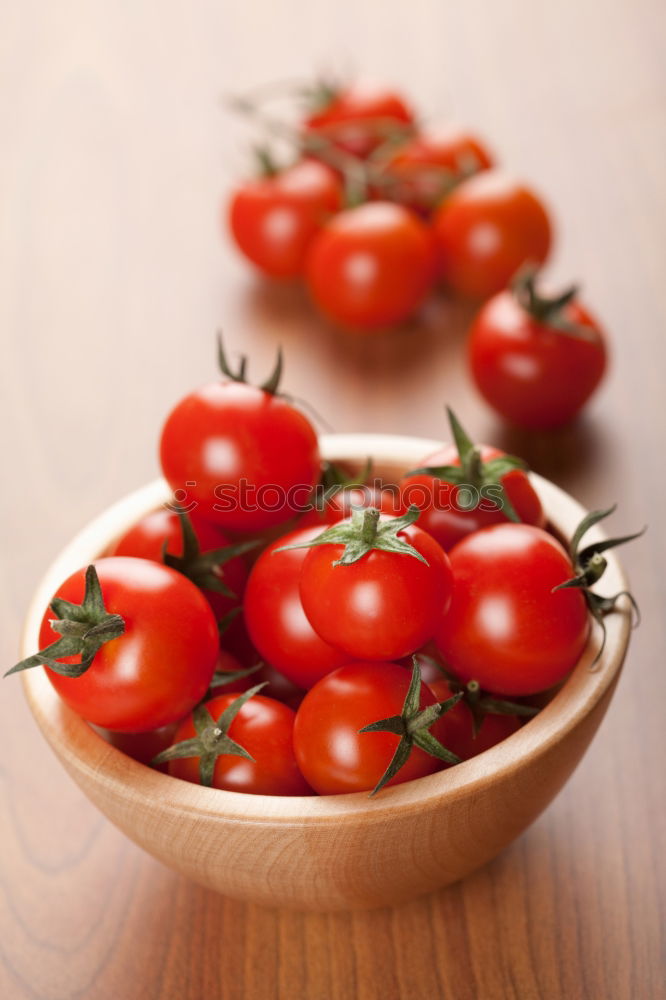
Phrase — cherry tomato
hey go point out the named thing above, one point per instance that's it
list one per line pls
(534, 373)
(331, 753)
(424, 169)
(264, 728)
(339, 506)
(357, 119)
(486, 230)
(457, 726)
(160, 666)
(371, 266)
(275, 617)
(273, 219)
(381, 607)
(506, 627)
(244, 457)
(146, 540)
(443, 512)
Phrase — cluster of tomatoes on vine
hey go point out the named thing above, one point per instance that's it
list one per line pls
(373, 212)
(250, 639)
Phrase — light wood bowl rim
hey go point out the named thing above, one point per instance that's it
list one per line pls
(75, 742)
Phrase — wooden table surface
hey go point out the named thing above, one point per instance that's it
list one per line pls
(113, 279)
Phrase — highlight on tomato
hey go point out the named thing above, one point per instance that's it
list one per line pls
(371, 266)
(243, 456)
(274, 218)
(367, 725)
(239, 743)
(536, 359)
(375, 587)
(489, 227)
(108, 635)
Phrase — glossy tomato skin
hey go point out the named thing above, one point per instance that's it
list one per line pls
(160, 667)
(334, 757)
(245, 458)
(340, 505)
(448, 526)
(274, 219)
(457, 728)
(533, 375)
(371, 266)
(422, 167)
(264, 727)
(486, 230)
(357, 119)
(382, 607)
(275, 618)
(505, 627)
(146, 540)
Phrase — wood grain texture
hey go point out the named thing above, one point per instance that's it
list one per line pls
(113, 277)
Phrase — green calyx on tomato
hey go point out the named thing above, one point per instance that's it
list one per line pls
(473, 471)
(364, 532)
(479, 703)
(550, 312)
(221, 678)
(84, 628)
(212, 739)
(413, 728)
(203, 568)
(272, 383)
(590, 565)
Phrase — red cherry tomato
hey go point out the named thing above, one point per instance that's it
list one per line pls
(340, 505)
(486, 230)
(245, 457)
(457, 728)
(275, 617)
(423, 170)
(532, 373)
(146, 540)
(506, 628)
(264, 727)
(274, 219)
(371, 266)
(142, 747)
(334, 757)
(381, 607)
(160, 667)
(357, 120)
(443, 514)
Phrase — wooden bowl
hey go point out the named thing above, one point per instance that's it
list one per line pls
(342, 851)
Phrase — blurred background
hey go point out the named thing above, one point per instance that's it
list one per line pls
(116, 271)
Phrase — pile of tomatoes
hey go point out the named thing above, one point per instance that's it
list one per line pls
(282, 628)
(373, 212)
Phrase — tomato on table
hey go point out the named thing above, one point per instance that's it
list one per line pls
(275, 618)
(273, 219)
(464, 487)
(422, 171)
(239, 743)
(333, 753)
(536, 360)
(506, 627)
(371, 266)
(357, 119)
(153, 651)
(375, 587)
(486, 230)
(243, 456)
